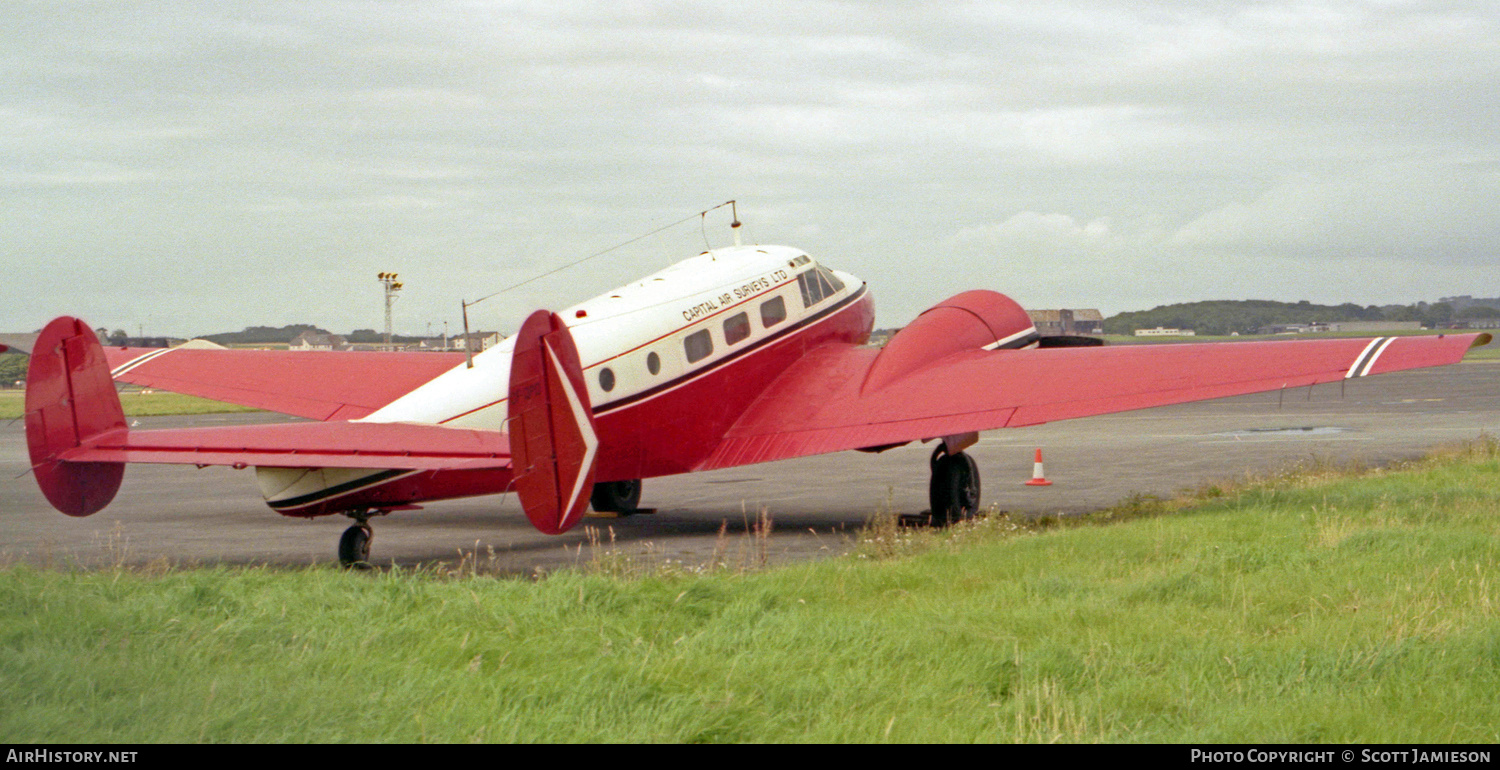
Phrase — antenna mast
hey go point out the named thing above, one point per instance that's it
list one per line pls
(468, 341)
(735, 225)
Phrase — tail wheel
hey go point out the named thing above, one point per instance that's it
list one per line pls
(617, 496)
(354, 546)
(954, 489)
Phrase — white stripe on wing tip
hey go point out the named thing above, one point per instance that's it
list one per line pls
(1359, 359)
(137, 361)
(1012, 338)
(1375, 356)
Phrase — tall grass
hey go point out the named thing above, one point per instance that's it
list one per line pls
(1325, 605)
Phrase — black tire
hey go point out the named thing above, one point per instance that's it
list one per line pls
(354, 546)
(938, 453)
(623, 497)
(954, 489)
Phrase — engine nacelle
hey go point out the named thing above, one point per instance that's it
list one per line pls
(973, 320)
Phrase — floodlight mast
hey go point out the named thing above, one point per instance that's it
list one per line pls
(388, 280)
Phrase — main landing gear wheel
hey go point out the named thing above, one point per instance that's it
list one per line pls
(954, 490)
(354, 546)
(622, 497)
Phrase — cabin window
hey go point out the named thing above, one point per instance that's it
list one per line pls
(736, 328)
(772, 312)
(607, 379)
(653, 363)
(698, 346)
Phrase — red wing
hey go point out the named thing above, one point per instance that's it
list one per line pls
(303, 445)
(821, 404)
(320, 385)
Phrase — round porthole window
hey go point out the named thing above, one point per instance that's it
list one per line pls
(653, 363)
(607, 379)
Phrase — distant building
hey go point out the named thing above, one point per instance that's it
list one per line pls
(1467, 300)
(145, 342)
(1161, 332)
(477, 341)
(1341, 326)
(1374, 326)
(482, 341)
(1476, 323)
(1067, 321)
(1088, 321)
(440, 344)
(19, 343)
(1293, 328)
(318, 341)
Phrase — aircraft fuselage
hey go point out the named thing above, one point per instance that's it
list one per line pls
(670, 362)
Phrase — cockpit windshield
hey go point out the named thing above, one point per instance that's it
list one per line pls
(817, 285)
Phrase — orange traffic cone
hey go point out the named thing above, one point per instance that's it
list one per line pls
(1037, 477)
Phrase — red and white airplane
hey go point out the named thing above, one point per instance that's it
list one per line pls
(739, 355)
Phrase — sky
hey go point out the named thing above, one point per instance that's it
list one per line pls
(197, 166)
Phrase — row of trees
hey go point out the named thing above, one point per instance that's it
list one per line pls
(262, 335)
(1248, 316)
(12, 368)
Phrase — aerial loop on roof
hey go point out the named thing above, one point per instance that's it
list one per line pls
(622, 244)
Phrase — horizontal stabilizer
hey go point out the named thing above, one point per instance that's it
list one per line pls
(318, 385)
(304, 445)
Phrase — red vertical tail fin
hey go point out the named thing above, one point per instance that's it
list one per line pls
(70, 398)
(554, 449)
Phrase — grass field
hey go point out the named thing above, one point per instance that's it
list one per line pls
(1490, 352)
(137, 403)
(1319, 606)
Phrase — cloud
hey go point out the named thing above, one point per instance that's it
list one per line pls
(1395, 233)
(1074, 152)
(1429, 213)
(1058, 234)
